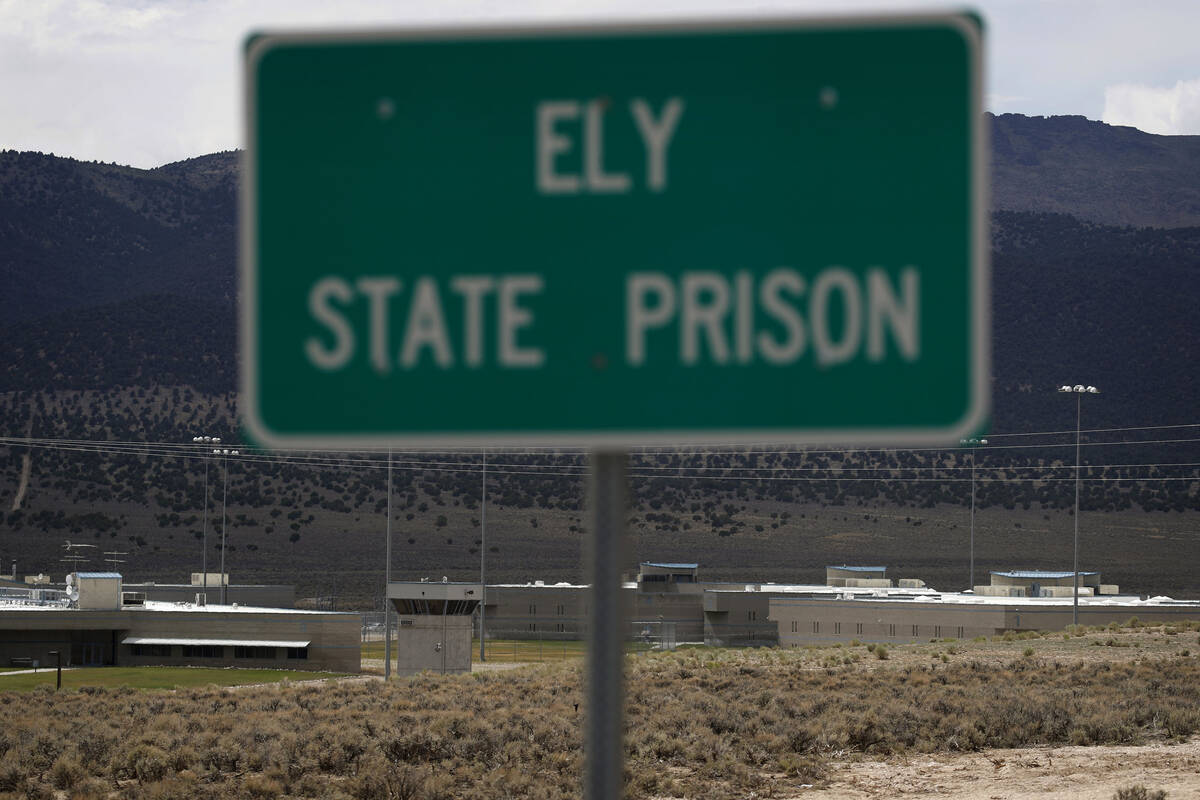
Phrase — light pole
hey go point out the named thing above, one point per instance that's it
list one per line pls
(483, 558)
(224, 454)
(972, 443)
(1078, 390)
(387, 579)
(205, 440)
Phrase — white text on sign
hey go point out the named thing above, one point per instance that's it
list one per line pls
(425, 333)
(705, 308)
(555, 118)
(783, 316)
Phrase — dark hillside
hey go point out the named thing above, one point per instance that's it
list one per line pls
(118, 344)
(1103, 173)
(76, 234)
(1080, 302)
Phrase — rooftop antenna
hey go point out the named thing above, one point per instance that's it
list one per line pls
(111, 558)
(73, 556)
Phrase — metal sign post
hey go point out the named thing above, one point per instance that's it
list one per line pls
(605, 735)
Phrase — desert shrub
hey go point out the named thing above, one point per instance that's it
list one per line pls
(12, 773)
(95, 748)
(1139, 792)
(36, 790)
(144, 762)
(260, 787)
(1180, 723)
(804, 768)
(90, 789)
(881, 653)
(65, 772)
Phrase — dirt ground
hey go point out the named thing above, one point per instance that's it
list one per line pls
(1086, 773)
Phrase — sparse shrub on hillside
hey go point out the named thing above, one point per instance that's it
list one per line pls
(1139, 792)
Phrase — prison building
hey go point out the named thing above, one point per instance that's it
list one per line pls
(549, 612)
(662, 594)
(95, 622)
(892, 618)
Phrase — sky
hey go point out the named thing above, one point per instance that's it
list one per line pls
(145, 82)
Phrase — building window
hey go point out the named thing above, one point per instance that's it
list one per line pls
(915, 629)
(837, 627)
(960, 631)
(533, 627)
(406, 623)
(561, 610)
(816, 627)
(246, 651)
(154, 650)
(752, 615)
(532, 609)
(560, 628)
(203, 651)
(793, 626)
(858, 629)
(300, 653)
(937, 631)
(892, 630)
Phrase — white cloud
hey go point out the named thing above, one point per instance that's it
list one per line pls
(144, 82)
(1153, 109)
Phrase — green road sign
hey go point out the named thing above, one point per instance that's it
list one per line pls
(761, 231)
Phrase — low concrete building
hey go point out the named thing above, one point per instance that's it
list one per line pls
(91, 624)
(893, 617)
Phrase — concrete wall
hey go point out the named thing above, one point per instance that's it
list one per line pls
(738, 619)
(813, 621)
(540, 612)
(259, 596)
(685, 609)
(561, 612)
(435, 643)
(99, 593)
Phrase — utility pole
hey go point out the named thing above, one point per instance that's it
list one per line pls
(387, 579)
(483, 560)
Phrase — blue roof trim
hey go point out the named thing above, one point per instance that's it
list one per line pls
(97, 574)
(1038, 573)
(669, 566)
(857, 569)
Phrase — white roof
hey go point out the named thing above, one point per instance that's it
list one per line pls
(213, 642)
(956, 598)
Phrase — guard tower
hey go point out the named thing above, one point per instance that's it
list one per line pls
(434, 630)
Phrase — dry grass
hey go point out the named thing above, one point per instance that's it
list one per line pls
(710, 723)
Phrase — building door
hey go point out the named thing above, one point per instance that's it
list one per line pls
(92, 654)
